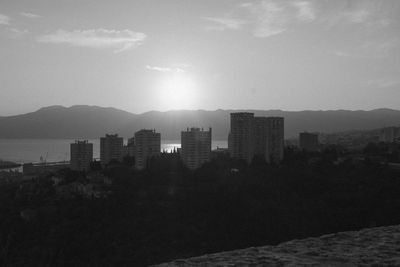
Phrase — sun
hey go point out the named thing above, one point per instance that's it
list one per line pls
(177, 90)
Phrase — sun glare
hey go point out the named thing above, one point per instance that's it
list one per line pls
(177, 90)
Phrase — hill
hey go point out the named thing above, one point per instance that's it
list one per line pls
(93, 122)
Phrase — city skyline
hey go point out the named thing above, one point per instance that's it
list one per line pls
(152, 55)
(144, 132)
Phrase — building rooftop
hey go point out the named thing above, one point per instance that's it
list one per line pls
(196, 129)
(242, 113)
(81, 142)
(111, 135)
(146, 131)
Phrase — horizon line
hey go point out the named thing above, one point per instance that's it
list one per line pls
(205, 110)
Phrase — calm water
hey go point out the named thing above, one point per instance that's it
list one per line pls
(30, 150)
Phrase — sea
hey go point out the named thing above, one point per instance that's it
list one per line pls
(58, 150)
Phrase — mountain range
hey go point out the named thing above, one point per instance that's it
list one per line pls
(93, 122)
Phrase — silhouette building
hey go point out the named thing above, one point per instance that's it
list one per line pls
(241, 136)
(260, 135)
(147, 145)
(195, 147)
(129, 149)
(308, 141)
(81, 155)
(249, 136)
(275, 139)
(111, 148)
(389, 134)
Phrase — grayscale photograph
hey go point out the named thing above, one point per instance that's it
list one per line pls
(199, 133)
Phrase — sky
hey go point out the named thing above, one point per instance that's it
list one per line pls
(205, 54)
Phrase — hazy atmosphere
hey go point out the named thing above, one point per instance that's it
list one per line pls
(161, 55)
(199, 133)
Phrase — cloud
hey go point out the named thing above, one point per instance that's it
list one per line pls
(4, 20)
(357, 16)
(267, 31)
(270, 17)
(165, 69)
(379, 48)
(306, 11)
(266, 18)
(225, 23)
(30, 15)
(96, 38)
(8, 31)
(341, 53)
(14, 33)
(373, 15)
(383, 83)
(369, 50)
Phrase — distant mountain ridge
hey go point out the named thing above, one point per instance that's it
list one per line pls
(93, 122)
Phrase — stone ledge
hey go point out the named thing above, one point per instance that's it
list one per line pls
(378, 246)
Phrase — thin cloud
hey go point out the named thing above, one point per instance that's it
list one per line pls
(182, 65)
(266, 18)
(165, 69)
(271, 17)
(383, 83)
(96, 38)
(359, 16)
(381, 48)
(225, 23)
(370, 49)
(340, 53)
(30, 15)
(8, 31)
(373, 15)
(4, 20)
(306, 11)
(15, 33)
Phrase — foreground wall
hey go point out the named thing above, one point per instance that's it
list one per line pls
(373, 246)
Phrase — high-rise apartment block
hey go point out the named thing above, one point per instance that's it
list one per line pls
(111, 148)
(389, 134)
(81, 155)
(147, 145)
(195, 147)
(129, 149)
(260, 135)
(251, 136)
(308, 141)
(275, 139)
(241, 136)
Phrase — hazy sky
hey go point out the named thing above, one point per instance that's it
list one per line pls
(186, 54)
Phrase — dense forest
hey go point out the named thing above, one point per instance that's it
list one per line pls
(169, 212)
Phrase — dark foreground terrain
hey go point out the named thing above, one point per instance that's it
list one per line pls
(143, 218)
